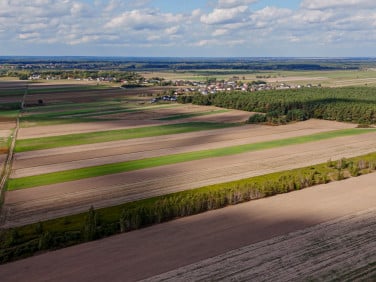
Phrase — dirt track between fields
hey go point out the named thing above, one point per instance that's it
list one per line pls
(165, 247)
(59, 159)
(50, 201)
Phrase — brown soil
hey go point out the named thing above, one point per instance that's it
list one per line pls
(151, 251)
(339, 249)
(40, 203)
(63, 129)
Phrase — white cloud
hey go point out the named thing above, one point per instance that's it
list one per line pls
(141, 20)
(234, 3)
(324, 4)
(227, 25)
(225, 16)
(220, 32)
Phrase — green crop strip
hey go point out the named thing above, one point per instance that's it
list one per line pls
(113, 135)
(76, 174)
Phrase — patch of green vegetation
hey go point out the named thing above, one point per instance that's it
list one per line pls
(87, 172)
(113, 135)
(11, 106)
(188, 115)
(9, 114)
(24, 241)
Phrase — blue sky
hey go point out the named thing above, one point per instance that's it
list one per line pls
(194, 28)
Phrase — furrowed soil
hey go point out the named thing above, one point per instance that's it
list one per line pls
(50, 201)
(324, 232)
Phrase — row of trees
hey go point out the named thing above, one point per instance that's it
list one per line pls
(349, 104)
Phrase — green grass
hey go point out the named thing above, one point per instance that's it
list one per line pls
(87, 172)
(113, 135)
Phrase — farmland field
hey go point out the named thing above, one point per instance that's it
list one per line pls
(284, 232)
(49, 201)
(90, 145)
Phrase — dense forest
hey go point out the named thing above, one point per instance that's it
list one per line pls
(348, 104)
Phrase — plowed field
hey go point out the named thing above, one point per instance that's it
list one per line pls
(340, 218)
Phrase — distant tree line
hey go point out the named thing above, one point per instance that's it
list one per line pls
(76, 74)
(348, 104)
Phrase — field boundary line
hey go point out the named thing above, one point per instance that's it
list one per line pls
(9, 160)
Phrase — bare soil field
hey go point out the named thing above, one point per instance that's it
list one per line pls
(294, 79)
(50, 201)
(90, 95)
(73, 96)
(340, 249)
(136, 119)
(347, 207)
(59, 159)
(84, 127)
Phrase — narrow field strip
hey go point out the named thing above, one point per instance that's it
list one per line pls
(89, 112)
(88, 172)
(188, 115)
(125, 110)
(113, 135)
(49, 90)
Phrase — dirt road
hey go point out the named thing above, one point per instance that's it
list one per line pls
(165, 247)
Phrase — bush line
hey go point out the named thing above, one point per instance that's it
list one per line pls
(27, 240)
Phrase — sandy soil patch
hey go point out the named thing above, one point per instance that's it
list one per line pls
(294, 79)
(50, 201)
(5, 126)
(4, 133)
(59, 159)
(160, 248)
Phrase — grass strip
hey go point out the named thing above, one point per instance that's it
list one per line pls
(113, 135)
(27, 240)
(94, 171)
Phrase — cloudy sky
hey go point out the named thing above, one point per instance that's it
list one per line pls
(188, 28)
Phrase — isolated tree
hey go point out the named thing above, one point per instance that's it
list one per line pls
(89, 230)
